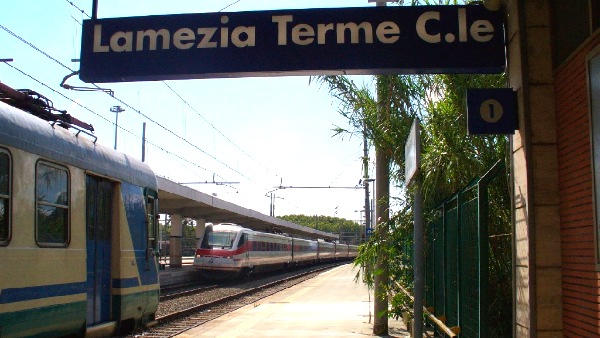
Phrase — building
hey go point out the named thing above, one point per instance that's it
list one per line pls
(553, 49)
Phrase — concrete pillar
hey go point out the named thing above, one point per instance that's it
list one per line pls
(175, 243)
(537, 267)
(200, 227)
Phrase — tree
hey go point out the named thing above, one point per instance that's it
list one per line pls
(450, 158)
(349, 231)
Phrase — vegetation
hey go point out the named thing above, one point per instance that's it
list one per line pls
(450, 159)
(188, 228)
(349, 231)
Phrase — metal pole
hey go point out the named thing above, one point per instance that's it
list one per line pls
(419, 257)
(412, 151)
(116, 126)
(366, 181)
(144, 143)
(116, 110)
(94, 9)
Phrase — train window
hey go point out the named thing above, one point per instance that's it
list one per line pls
(5, 184)
(222, 239)
(207, 234)
(242, 240)
(52, 204)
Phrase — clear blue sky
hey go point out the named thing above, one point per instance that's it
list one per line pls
(259, 132)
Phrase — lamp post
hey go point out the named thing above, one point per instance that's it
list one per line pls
(116, 110)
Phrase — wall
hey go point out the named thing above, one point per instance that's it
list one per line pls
(580, 280)
(538, 310)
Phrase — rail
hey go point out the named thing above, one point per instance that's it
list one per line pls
(439, 322)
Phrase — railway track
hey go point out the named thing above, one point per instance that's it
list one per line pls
(182, 292)
(176, 322)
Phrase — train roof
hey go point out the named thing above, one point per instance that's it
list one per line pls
(239, 228)
(22, 130)
(228, 226)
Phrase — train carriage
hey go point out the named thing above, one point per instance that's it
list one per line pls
(326, 251)
(304, 251)
(268, 251)
(228, 250)
(352, 251)
(77, 232)
(341, 251)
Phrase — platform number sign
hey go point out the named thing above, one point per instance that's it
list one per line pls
(491, 111)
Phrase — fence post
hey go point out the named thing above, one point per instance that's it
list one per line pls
(482, 220)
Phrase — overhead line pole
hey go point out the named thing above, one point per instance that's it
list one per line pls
(366, 181)
(144, 142)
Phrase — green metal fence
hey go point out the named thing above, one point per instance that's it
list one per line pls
(456, 270)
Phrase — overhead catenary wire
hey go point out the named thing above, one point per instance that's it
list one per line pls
(174, 85)
(129, 106)
(83, 12)
(195, 110)
(178, 136)
(102, 117)
(79, 9)
(231, 4)
(215, 128)
(189, 105)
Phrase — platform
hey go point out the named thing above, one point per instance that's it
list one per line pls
(170, 276)
(330, 305)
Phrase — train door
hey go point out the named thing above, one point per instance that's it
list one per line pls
(99, 195)
(152, 229)
(243, 242)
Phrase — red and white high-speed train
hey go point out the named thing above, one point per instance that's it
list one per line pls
(230, 250)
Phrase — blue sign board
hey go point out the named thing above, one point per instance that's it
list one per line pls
(369, 40)
(369, 232)
(491, 111)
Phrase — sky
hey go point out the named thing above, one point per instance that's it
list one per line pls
(255, 133)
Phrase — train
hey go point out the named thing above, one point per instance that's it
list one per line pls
(230, 250)
(78, 227)
(79, 230)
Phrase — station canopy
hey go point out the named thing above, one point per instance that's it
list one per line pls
(175, 198)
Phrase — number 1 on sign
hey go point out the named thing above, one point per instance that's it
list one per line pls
(491, 111)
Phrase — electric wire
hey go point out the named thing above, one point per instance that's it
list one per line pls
(61, 94)
(129, 106)
(34, 47)
(83, 12)
(177, 136)
(79, 9)
(186, 103)
(139, 112)
(231, 4)
(105, 119)
(215, 128)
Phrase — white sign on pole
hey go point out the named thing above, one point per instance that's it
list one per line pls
(412, 152)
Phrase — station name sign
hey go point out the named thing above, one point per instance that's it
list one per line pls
(368, 40)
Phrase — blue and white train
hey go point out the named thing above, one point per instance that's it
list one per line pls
(78, 228)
